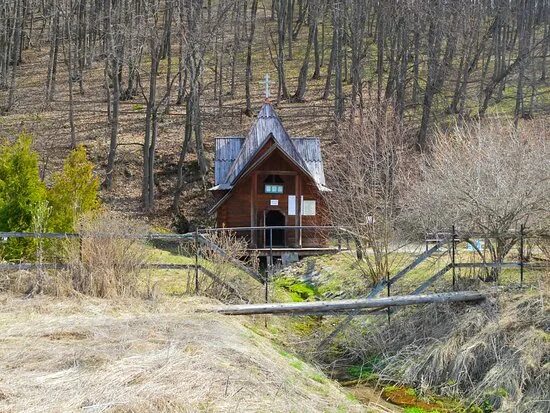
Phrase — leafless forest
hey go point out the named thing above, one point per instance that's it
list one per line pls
(146, 84)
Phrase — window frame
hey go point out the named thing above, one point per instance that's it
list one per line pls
(274, 188)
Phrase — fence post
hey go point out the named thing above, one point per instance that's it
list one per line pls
(453, 252)
(196, 260)
(270, 268)
(426, 242)
(388, 283)
(521, 253)
(270, 247)
(80, 248)
(269, 271)
(266, 286)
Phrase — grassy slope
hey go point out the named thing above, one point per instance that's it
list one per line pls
(342, 275)
(133, 355)
(178, 282)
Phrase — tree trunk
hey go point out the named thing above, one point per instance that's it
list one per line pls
(289, 18)
(331, 62)
(248, 76)
(149, 142)
(68, 23)
(184, 149)
(302, 77)
(316, 53)
(114, 102)
(380, 55)
(54, 49)
(357, 40)
(16, 56)
(281, 19)
(338, 81)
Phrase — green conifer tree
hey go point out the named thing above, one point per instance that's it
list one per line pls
(21, 193)
(74, 192)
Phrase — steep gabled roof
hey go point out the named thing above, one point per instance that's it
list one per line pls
(310, 150)
(227, 150)
(267, 125)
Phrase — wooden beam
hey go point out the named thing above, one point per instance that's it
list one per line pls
(299, 208)
(49, 235)
(346, 305)
(253, 191)
(236, 262)
(99, 235)
(426, 254)
(277, 172)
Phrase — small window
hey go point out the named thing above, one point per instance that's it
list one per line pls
(273, 184)
(273, 189)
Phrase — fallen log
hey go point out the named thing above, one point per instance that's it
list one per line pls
(347, 305)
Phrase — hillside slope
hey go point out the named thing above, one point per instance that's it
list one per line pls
(95, 355)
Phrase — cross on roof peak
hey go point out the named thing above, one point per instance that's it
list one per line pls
(266, 82)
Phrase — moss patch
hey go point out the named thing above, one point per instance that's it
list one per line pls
(298, 290)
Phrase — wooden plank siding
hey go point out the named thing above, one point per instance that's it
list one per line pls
(247, 203)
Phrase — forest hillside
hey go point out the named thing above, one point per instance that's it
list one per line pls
(145, 85)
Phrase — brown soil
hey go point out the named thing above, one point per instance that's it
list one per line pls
(403, 396)
(371, 396)
(66, 335)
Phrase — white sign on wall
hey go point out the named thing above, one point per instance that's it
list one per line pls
(274, 202)
(308, 208)
(291, 205)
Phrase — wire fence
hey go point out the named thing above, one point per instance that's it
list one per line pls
(449, 260)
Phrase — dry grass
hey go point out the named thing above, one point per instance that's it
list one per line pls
(109, 259)
(224, 269)
(93, 355)
(107, 262)
(496, 353)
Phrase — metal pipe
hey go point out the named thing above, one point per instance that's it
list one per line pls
(453, 256)
(196, 260)
(521, 254)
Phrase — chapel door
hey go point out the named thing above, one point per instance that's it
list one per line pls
(274, 218)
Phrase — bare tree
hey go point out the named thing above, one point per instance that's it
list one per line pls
(198, 41)
(12, 43)
(55, 36)
(113, 64)
(281, 35)
(365, 182)
(157, 34)
(250, 40)
(487, 178)
(69, 60)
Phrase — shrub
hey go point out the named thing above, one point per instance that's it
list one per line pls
(109, 258)
(232, 284)
(21, 194)
(26, 205)
(74, 191)
(366, 177)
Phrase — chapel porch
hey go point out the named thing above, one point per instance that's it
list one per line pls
(301, 241)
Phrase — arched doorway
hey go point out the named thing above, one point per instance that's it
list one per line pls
(275, 218)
